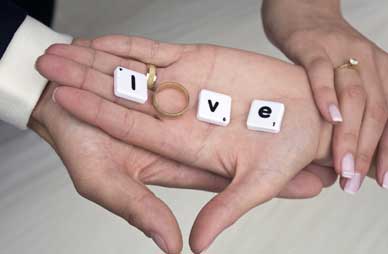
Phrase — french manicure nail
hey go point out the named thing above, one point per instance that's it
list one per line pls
(204, 251)
(385, 181)
(160, 242)
(353, 185)
(53, 95)
(348, 166)
(335, 114)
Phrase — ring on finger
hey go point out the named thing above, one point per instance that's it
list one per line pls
(352, 63)
(151, 76)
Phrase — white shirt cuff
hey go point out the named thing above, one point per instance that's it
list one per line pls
(20, 84)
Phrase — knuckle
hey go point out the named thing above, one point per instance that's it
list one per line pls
(334, 37)
(125, 63)
(350, 138)
(85, 188)
(99, 109)
(85, 79)
(383, 150)
(364, 158)
(145, 198)
(318, 63)
(365, 46)
(129, 126)
(324, 91)
(93, 57)
(367, 50)
(83, 42)
(296, 41)
(266, 179)
(379, 112)
(133, 217)
(130, 42)
(355, 92)
(55, 48)
(154, 49)
(296, 37)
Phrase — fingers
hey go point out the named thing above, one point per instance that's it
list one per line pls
(309, 182)
(133, 202)
(327, 175)
(95, 59)
(345, 138)
(243, 194)
(248, 191)
(304, 185)
(70, 73)
(382, 160)
(144, 50)
(374, 120)
(352, 185)
(170, 173)
(127, 125)
(320, 72)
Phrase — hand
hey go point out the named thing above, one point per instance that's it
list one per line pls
(102, 167)
(260, 163)
(315, 35)
(113, 174)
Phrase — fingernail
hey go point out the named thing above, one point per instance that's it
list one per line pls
(353, 185)
(160, 242)
(385, 181)
(204, 251)
(335, 114)
(53, 95)
(348, 166)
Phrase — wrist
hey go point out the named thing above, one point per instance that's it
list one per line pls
(301, 15)
(36, 121)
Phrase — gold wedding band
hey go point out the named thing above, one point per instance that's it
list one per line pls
(352, 63)
(171, 85)
(151, 76)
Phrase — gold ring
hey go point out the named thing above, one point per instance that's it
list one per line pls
(352, 63)
(171, 85)
(151, 76)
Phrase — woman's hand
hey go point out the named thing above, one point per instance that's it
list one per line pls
(315, 35)
(260, 164)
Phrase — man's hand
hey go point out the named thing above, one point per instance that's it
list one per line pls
(315, 35)
(260, 164)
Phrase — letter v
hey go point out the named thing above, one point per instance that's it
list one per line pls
(212, 108)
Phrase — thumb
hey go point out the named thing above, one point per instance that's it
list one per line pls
(132, 201)
(243, 194)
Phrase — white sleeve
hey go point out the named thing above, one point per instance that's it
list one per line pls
(20, 84)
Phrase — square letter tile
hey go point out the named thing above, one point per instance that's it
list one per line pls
(265, 116)
(214, 107)
(130, 85)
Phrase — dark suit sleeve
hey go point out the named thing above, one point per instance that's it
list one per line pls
(11, 17)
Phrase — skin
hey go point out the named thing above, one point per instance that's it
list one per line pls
(315, 35)
(259, 164)
(114, 174)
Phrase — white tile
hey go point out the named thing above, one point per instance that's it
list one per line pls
(214, 108)
(130, 85)
(265, 116)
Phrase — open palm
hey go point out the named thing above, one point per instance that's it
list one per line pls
(260, 164)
